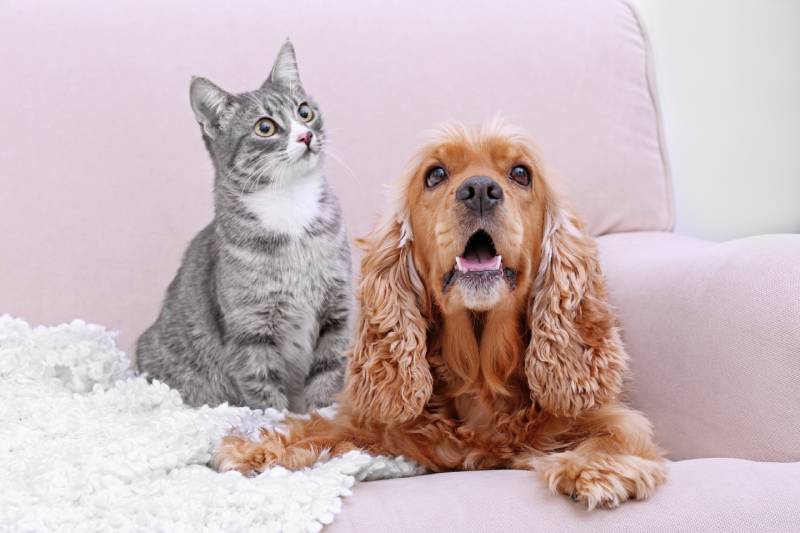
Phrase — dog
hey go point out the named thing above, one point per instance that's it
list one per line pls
(485, 339)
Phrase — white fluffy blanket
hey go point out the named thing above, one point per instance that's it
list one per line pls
(87, 446)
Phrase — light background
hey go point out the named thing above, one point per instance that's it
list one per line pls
(103, 177)
(728, 73)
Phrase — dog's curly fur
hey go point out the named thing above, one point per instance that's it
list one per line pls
(526, 374)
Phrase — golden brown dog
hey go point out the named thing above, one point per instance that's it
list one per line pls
(484, 337)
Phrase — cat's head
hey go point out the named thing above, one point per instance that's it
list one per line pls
(268, 136)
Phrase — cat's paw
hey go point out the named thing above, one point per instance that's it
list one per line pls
(239, 453)
(600, 479)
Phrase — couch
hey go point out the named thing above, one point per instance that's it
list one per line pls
(105, 180)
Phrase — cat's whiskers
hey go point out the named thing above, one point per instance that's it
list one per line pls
(246, 186)
(275, 166)
(338, 158)
(233, 169)
(257, 174)
(250, 170)
(246, 169)
(278, 169)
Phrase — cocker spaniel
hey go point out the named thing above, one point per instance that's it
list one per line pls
(484, 339)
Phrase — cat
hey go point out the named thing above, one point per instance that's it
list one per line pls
(259, 313)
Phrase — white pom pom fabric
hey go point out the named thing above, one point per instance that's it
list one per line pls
(85, 445)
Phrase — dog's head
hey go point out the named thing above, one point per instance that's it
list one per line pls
(475, 202)
(479, 232)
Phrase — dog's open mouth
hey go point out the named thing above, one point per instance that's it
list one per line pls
(479, 263)
(479, 255)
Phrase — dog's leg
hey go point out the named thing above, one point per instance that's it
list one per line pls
(306, 442)
(616, 460)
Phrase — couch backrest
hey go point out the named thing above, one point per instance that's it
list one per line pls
(105, 178)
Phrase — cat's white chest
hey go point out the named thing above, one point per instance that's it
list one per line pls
(288, 208)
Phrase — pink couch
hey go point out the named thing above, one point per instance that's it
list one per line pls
(105, 179)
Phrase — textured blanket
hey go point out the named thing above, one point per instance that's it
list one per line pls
(87, 446)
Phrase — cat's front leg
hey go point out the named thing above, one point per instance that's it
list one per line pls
(259, 377)
(326, 376)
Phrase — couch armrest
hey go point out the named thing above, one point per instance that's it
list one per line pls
(714, 335)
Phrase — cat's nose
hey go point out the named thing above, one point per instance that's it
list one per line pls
(305, 137)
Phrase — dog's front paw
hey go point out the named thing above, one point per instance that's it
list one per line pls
(239, 453)
(600, 479)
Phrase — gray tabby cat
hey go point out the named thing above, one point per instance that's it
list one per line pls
(259, 312)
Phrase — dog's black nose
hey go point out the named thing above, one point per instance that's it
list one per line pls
(480, 193)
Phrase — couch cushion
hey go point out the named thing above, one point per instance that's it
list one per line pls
(714, 335)
(700, 495)
(104, 168)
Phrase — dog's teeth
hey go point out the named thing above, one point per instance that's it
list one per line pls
(459, 267)
(498, 262)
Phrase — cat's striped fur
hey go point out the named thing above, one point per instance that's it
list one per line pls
(259, 312)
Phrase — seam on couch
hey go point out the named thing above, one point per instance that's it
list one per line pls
(653, 90)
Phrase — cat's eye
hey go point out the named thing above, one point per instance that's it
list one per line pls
(265, 127)
(305, 112)
(435, 176)
(520, 174)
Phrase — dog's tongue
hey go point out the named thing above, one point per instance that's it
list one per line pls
(478, 263)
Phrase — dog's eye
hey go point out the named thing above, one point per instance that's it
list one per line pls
(521, 175)
(435, 176)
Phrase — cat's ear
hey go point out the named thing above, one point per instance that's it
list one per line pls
(210, 105)
(284, 70)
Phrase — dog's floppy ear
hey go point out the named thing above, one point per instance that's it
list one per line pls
(389, 378)
(575, 359)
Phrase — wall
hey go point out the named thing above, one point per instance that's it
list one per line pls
(729, 81)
